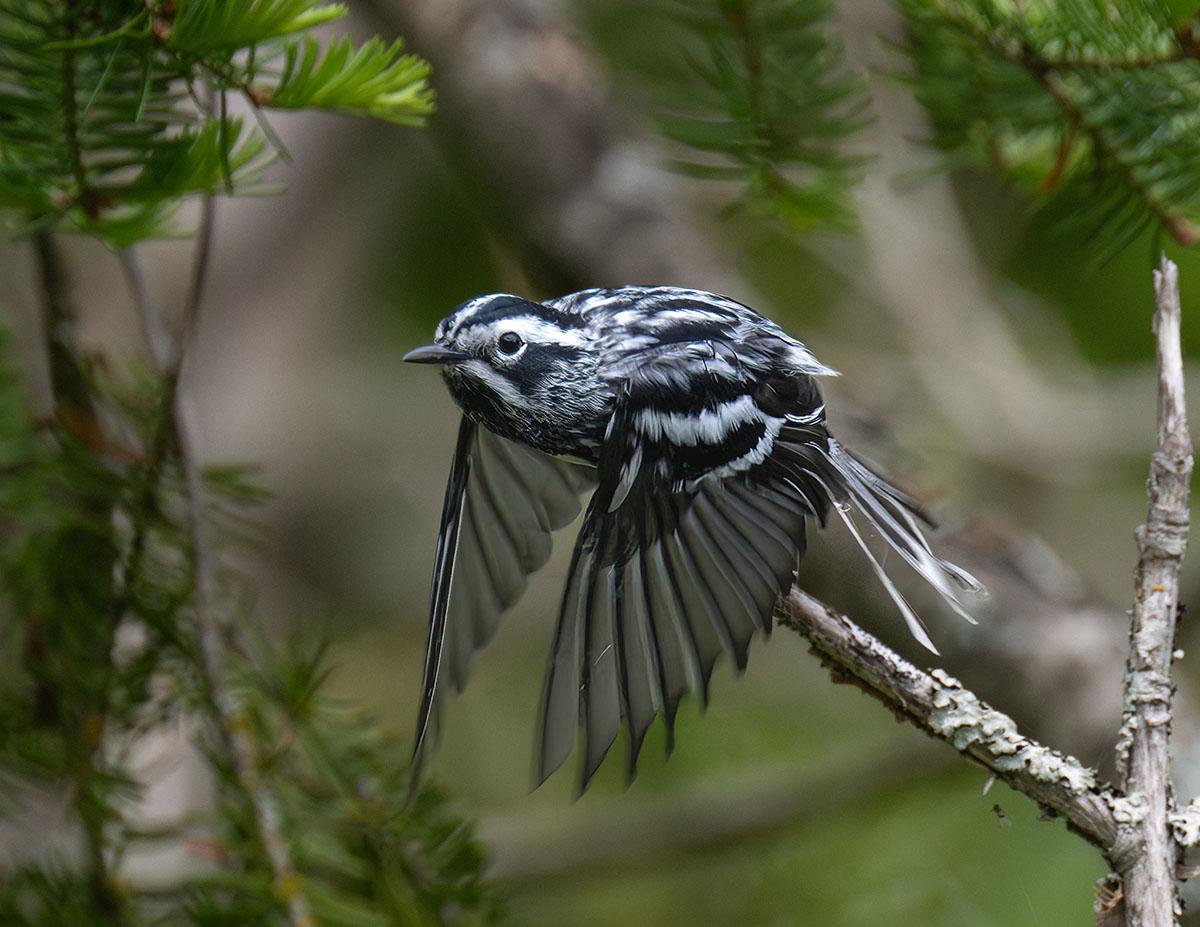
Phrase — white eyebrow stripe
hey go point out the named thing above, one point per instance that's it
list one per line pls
(531, 328)
(536, 330)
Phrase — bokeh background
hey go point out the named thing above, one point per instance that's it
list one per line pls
(987, 360)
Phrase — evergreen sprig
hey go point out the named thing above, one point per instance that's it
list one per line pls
(365, 858)
(99, 644)
(772, 107)
(115, 111)
(208, 26)
(1093, 106)
(115, 605)
(373, 80)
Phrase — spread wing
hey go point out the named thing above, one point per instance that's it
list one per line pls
(693, 533)
(502, 502)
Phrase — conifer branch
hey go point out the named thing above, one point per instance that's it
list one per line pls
(1094, 102)
(1114, 158)
(226, 704)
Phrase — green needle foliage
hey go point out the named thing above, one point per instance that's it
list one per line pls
(100, 643)
(362, 81)
(768, 106)
(1093, 106)
(114, 111)
(117, 616)
(365, 859)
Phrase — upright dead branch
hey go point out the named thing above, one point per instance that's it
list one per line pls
(1138, 831)
(1146, 854)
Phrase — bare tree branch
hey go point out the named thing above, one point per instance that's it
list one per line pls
(1137, 830)
(1148, 868)
(940, 705)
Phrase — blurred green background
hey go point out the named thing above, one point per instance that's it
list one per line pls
(987, 359)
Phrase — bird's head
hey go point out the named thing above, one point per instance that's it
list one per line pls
(519, 367)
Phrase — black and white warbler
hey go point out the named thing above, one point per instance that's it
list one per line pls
(701, 429)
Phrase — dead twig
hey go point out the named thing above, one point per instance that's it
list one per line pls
(1138, 829)
(1148, 853)
(940, 705)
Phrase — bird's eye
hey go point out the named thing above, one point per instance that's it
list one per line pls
(509, 343)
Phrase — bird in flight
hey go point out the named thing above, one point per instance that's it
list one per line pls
(699, 429)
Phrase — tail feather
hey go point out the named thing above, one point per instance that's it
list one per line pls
(889, 511)
(911, 618)
(852, 485)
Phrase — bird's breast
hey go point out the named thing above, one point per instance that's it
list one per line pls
(565, 423)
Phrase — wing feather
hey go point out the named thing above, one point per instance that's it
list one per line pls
(701, 609)
(737, 560)
(476, 606)
(730, 605)
(561, 702)
(701, 627)
(637, 650)
(501, 570)
(502, 502)
(678, 661)
(602, 690)
(774, 557)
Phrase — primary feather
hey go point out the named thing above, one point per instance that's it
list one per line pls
(701, 427)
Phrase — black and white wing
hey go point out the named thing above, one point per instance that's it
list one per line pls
(853, 486)
(694, 532)
(503, 500)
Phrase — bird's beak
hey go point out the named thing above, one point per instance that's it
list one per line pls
(434, 354)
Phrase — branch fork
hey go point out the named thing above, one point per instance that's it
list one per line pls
(1138, 828)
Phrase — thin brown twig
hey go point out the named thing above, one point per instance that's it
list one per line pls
(243, 750)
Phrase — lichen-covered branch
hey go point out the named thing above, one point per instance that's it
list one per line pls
(1138, 829)
(1185, 824)
(1143, 750)
(940, 705)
